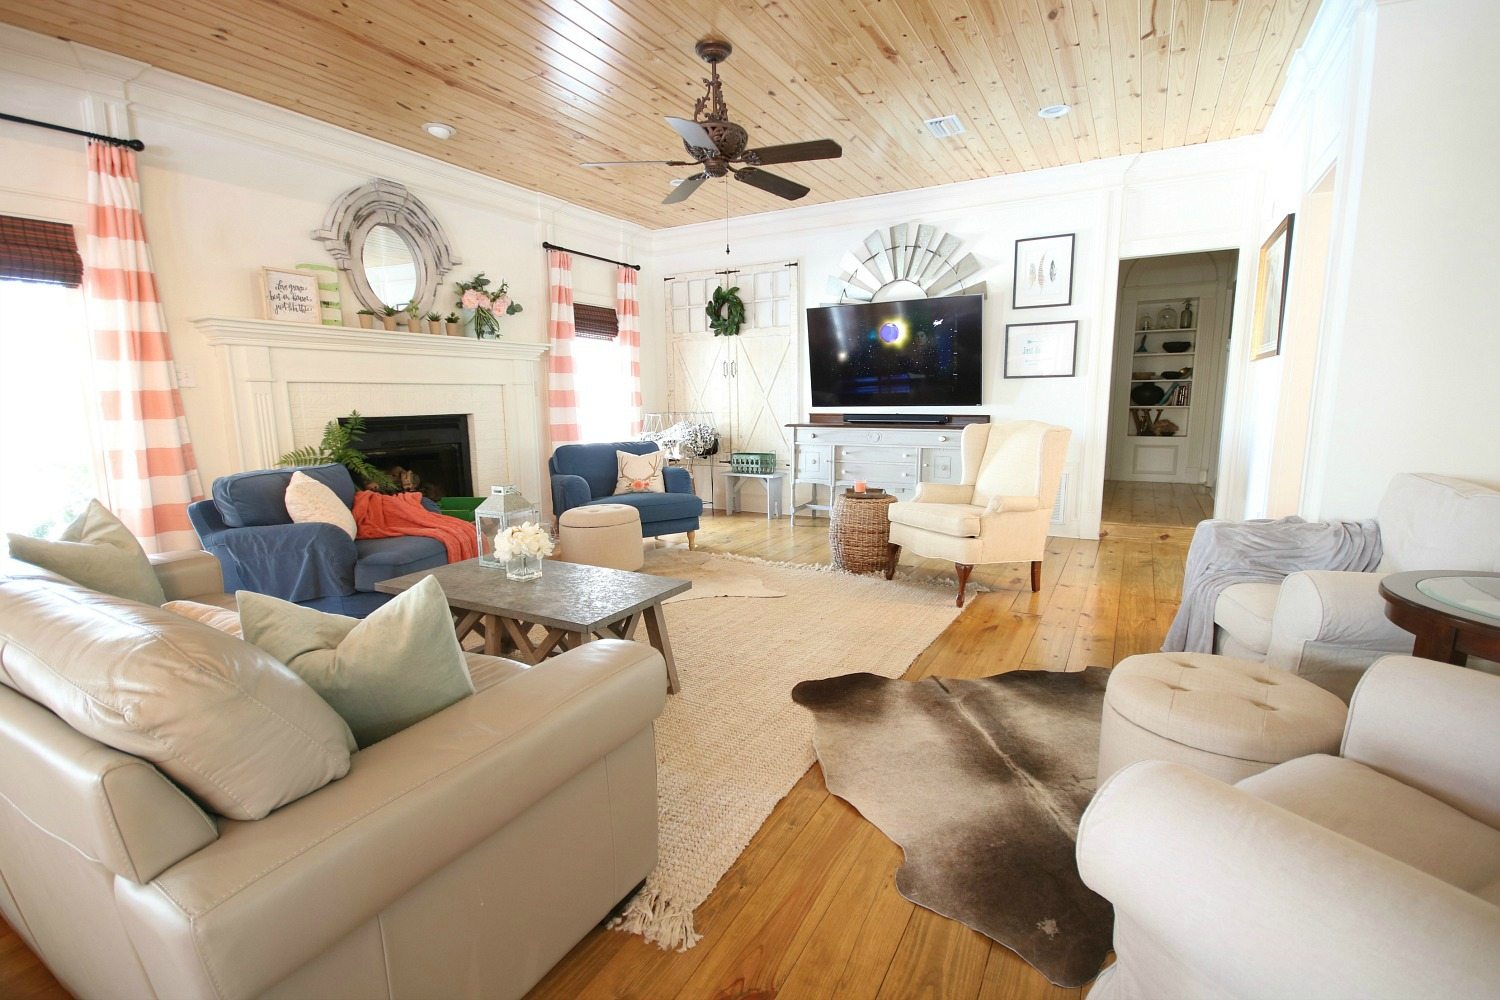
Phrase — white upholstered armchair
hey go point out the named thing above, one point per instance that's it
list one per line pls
(1000, 512)
(1329, 626)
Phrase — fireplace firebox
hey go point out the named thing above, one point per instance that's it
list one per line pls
(428, 453)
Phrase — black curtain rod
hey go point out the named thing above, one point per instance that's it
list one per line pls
(590, 256)
(134, 144)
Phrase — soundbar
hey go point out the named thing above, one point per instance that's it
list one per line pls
(929, 419)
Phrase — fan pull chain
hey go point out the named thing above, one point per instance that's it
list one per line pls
(726, 216)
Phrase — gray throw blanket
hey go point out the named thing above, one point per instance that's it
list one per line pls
(1224, 553)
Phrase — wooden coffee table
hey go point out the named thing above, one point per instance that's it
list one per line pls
(573, 603)
(1444, 631)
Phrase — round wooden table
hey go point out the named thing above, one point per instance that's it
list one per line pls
(859, 533)
(1444, 632)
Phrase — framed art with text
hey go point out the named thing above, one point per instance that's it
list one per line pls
(291, 295)
(1044, 272)
(1270, 292)
(1041, 350)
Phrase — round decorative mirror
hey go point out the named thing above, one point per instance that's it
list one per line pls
(393, 248)
(390, 266)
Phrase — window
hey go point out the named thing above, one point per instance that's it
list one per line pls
(601, 375)
(49, 459)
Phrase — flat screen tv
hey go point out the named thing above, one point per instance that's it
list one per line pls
(920, 352)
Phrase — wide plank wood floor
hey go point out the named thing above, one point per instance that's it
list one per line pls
(1179, 505)
(810, 910)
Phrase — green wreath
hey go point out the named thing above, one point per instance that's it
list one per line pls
(726, 311)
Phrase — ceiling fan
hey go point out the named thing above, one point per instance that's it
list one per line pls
(716, 144)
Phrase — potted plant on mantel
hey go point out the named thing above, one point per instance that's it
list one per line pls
(366, 318)
(413, 317)
(388, 317)
(435, 324)
(454, 324)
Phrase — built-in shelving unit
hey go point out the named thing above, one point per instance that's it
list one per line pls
(1159, 322)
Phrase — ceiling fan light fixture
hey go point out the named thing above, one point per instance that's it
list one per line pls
(439, 130)
(944, 126)
(1053, 111)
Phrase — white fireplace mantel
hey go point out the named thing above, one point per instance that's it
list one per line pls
(285, 381)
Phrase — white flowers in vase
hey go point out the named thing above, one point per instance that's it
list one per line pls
(522, 547)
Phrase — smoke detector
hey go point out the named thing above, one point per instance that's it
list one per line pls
(947, 125)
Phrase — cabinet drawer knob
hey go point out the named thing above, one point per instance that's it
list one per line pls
(906, 474)
(942, 437)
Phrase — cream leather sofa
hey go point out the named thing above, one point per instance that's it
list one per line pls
(461, 857)
(1374, 873)
(1329, 626)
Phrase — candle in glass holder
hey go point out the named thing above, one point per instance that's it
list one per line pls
(860, 486)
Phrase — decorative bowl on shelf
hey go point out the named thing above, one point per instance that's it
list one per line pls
(1177, 346)
(1172, 375)
(1142, 376)
(1147, 394)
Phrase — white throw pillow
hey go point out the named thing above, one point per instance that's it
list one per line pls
(640, 473)
(308, 500)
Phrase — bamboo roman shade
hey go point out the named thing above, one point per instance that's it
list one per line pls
(33, 250)
(595, 322)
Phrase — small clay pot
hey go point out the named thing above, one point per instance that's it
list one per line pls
(435, 327)
(455, 329)
(389, 322)
(366, 321)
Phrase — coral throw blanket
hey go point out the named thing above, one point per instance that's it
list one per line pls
(381, 515)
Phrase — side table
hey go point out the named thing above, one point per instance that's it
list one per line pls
(770, 480)
(1445, 630)
(859, 534)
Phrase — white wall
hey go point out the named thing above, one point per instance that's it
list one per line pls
(1198, 198)
(230, 185)
(1411, 379)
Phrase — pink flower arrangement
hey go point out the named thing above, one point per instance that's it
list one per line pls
(488, 305)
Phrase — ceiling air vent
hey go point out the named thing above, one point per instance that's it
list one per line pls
(942, 128)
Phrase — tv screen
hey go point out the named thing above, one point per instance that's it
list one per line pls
(920, 352)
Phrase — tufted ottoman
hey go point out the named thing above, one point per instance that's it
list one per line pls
(1228, 718)
(602, 534)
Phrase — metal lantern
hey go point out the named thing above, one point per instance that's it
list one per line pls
(504, 508)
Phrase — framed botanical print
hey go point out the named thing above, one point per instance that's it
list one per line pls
(291, 295)
(1041, 350)
(1270, 292)
(1044, 272)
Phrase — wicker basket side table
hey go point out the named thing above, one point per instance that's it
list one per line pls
(859, 534)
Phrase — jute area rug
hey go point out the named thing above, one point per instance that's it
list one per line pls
(981, 783)
(731, 744)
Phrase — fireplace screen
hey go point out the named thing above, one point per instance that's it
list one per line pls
(427, 454)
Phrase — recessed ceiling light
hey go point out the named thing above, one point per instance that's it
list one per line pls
(1053, 111)
(675, 181)
(438, 130)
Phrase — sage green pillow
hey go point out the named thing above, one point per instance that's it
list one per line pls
(97, 552)
(382, 673)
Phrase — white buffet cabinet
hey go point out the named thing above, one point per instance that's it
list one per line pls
(829, 457)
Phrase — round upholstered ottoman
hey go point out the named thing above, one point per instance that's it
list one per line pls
(602, 534)
(1228, 718)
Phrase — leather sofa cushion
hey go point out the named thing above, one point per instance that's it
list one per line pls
(381, 559)
(596, 463)
(1395, 819)
(1245, 611)
(961, 520)
(657, 506)
(235, 728)
(252, 499)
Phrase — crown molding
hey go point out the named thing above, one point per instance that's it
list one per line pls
(232, 331)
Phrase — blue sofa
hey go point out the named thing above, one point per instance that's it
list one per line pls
(585, 474)
(260, 549)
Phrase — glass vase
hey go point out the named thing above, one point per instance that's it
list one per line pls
(523, 568)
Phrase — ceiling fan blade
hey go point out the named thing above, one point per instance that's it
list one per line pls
(794, 152)
(685, 190)
(780, 186)
(639, 163)
(694, 134)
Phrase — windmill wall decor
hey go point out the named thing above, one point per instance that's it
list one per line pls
(906, 261)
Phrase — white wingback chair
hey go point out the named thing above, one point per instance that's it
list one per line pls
(1000, 513)
(1330, 626)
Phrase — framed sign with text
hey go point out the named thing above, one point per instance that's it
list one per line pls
(1041, 350)
(291, 295)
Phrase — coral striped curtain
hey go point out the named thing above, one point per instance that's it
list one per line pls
(628, 319)
(562, 401)
(149, 461)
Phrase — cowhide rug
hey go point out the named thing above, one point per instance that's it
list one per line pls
(981, 783)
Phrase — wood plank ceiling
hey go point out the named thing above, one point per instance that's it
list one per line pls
(536, 86)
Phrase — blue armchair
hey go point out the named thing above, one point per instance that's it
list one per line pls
(260, 549)
(585, 474)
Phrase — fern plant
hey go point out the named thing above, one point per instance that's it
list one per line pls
(337, 446)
